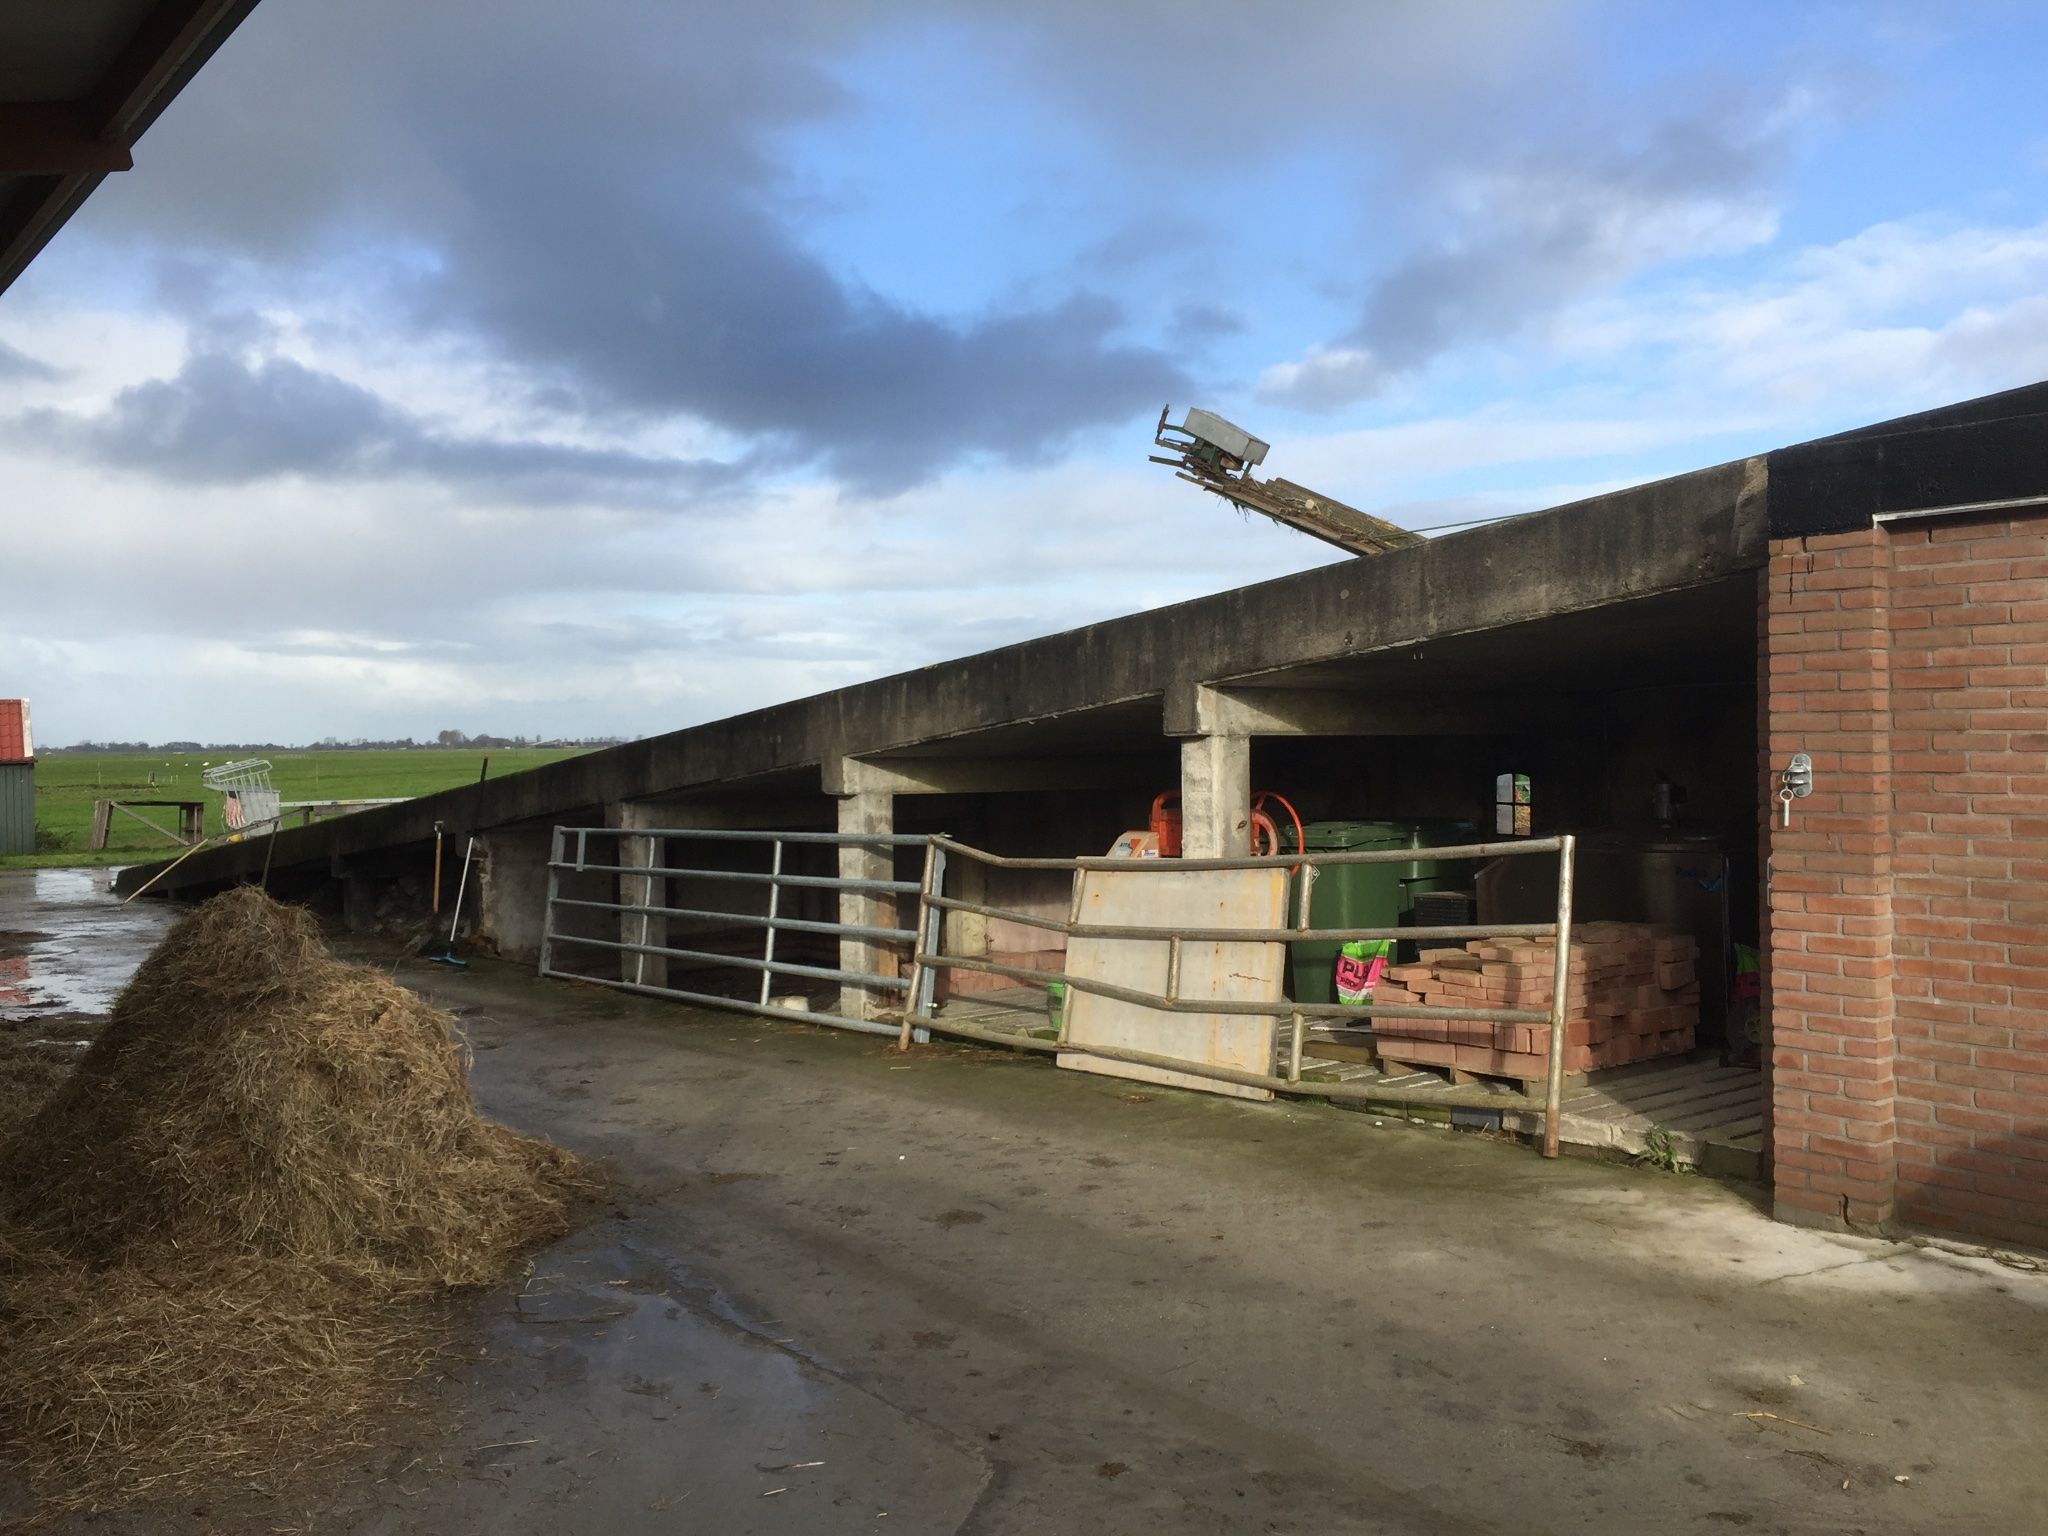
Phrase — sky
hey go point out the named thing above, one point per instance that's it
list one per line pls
(604, 369)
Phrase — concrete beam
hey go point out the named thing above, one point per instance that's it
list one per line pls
(979, 775)
(1198, 709)
(1677, 534)
(776, 813)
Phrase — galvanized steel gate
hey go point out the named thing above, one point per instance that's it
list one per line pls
(572, 858)
(910, 986)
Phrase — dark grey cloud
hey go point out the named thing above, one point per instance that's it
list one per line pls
(598, 193)
(16, 364)
(1195, 322)
(223, 421)
(594, 194)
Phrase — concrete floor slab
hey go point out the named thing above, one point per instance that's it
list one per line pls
(1163, 1311)
(995, 1298)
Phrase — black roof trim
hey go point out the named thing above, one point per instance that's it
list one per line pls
(1991, 449)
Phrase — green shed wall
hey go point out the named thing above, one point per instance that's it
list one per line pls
(17, 807)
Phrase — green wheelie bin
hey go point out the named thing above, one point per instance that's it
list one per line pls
(1367, 895)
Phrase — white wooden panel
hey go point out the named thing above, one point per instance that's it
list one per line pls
(1160, 896)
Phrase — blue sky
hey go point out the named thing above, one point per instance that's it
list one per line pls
(621, 366)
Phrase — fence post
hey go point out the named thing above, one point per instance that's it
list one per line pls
(913, 1000)
(1560, 982)
(1307, 879)
(774, 911)
(934, 931)
(557, 849)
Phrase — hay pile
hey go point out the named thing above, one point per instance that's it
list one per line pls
(218, 1235)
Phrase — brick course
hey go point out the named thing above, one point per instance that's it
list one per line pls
(1906, 905)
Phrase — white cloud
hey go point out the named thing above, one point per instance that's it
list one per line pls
(1899, 315)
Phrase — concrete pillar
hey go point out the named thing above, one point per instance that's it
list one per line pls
(358, 903)
(1215, 796)
(642, 891)
(966, 933)
(506, 899)
(871, 811)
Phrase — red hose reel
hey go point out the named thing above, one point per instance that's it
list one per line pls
(1165, 824)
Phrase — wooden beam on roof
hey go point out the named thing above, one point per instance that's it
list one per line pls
(163, 45)
(50, 138)
(171, 41)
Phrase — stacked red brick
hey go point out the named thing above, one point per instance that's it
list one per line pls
(1633, 995)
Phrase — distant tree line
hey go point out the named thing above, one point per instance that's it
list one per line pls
(450, 740)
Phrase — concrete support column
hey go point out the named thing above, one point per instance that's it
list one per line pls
(358, 903)
(966, 933)
(868, 812)
(505, 903)
(1215, 796)
(642, 891)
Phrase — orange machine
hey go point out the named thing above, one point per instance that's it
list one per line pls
(1161, 839)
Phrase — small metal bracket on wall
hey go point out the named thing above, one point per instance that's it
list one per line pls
(1795, 783)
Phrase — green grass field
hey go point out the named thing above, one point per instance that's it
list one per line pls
(66, 788)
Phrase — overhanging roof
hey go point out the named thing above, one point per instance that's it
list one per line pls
(80, 82)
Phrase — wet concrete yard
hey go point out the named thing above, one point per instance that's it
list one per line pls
(989, 1297)
(66, 946)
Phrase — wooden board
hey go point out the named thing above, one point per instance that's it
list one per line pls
(1157, 896)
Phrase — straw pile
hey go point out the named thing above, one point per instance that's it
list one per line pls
(217, 1236)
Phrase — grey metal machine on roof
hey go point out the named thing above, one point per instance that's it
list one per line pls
(1218, 456)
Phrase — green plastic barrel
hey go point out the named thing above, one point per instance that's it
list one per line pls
(1366, 895)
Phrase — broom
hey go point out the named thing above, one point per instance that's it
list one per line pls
(448, 956)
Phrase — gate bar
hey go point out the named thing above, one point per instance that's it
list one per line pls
(824, 882)
(744, 919)
(745, 962)
(1277, 860)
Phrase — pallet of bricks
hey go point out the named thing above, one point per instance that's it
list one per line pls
(1633, 995)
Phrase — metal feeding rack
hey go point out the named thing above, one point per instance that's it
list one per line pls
(1218, 456)
(248, 800)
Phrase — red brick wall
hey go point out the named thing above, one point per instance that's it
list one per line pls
(1906, 906)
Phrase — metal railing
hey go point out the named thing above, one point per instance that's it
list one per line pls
(571, 855)
(916, 1018)
(930, 957)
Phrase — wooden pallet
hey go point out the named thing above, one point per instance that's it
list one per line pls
(1713, 1112)
(1534, 1087)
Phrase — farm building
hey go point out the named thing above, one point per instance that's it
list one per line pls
(17, 778)
(1792, 707)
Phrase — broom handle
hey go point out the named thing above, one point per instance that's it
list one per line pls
(462, 885)
(181, 858)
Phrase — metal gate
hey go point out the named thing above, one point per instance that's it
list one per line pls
(891, 971)
(910, 985)
(1306, 864)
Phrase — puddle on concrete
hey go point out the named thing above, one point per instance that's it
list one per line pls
(615, 1391)
(67, 944)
